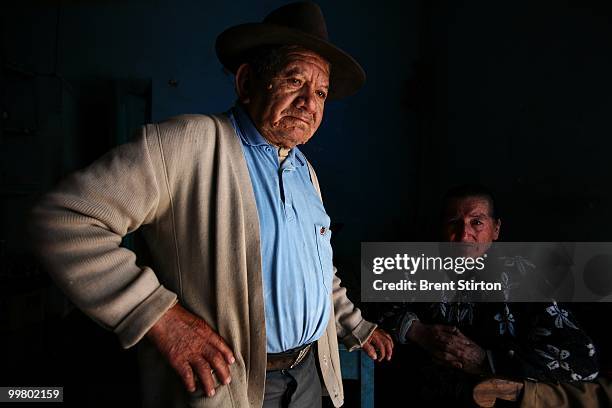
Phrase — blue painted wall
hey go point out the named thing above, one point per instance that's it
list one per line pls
(365, 149)
(514, 95)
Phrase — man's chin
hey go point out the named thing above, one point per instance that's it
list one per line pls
(293, 138)
(469, 249)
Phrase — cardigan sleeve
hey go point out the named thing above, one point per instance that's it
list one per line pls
(352, 329)
(77, 230)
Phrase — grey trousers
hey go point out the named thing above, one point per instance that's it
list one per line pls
(298, 387)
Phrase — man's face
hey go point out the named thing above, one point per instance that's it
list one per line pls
(468, 220)
(287, 109)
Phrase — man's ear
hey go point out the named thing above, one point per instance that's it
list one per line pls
(497, 227)
(243, 83)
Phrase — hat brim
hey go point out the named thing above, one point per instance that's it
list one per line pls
(346, 78)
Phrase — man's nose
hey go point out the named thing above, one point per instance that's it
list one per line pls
(306, 100)
(465, 231)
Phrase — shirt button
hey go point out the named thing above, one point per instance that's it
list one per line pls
(323, 230)
(510, 353)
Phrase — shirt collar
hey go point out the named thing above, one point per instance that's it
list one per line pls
(247, 130)
(251, 137)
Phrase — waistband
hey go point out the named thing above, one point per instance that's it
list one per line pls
(287, 359)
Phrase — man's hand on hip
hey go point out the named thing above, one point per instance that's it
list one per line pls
(379, 346)
(192, 348)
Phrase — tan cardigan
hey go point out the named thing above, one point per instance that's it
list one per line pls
(185, 185)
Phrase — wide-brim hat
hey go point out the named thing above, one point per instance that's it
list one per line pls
(300, 24)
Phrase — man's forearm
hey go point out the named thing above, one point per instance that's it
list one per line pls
(352, 329)
(77, 231)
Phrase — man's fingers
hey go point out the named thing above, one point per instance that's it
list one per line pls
(442, 339)
(388, 346)
(202, 368)
(184, 371)
(377, 342)
(221, 368)
(460, 333)
(386, 336)
(370, 351)
(193, 349)
(381, 352)
(382, 345)
(224, 349)
(453, 363)
(455, 348)
(445, 356)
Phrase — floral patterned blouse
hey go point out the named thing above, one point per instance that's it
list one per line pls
(539, 341)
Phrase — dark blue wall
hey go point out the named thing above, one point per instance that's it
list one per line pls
(513, 95)
(365, 149)
(522, 99)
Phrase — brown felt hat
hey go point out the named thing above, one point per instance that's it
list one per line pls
(302, 24)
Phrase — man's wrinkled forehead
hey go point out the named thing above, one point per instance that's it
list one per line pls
(471, 206)
(295, 55)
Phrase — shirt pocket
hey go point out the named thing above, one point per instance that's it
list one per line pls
(324, 249)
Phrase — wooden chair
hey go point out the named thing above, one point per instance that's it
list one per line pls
(358, 366)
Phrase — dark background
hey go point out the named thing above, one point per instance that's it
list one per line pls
(514, 95)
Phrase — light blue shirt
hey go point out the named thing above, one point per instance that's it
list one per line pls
(296, 254)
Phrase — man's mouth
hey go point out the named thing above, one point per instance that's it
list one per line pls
(308, 121)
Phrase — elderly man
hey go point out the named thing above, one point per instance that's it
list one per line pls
(237, 293)
(465, 340)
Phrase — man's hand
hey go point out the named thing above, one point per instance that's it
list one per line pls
(448, 346)
(379, 346)
(192, 348)
(470, 356)
(432, 337)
